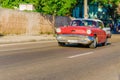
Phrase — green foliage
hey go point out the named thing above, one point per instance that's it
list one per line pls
(53, 7)
(56, 7)
(110, 5)
(106, 1)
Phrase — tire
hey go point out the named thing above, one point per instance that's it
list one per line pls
(61, 44)
(105, 43)
(94, 43)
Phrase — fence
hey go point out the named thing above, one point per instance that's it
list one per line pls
(32, 23)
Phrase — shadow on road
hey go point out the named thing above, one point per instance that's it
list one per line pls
(82, 46)
(1, 35)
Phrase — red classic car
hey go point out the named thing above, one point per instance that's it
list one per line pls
(83, 31)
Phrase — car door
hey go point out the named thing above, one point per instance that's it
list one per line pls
(102, 34)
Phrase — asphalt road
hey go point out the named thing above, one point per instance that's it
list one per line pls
(48, 61)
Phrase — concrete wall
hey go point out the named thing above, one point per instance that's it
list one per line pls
(32, 23)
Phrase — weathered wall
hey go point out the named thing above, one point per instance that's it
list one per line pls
(18, 22)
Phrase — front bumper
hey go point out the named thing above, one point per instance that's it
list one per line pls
(69, 38)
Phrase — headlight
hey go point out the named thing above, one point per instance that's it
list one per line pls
(89, 31)
(58, 30)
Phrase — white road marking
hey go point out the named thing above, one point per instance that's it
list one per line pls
(78, 55)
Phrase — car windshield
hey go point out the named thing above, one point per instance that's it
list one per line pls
(86, 23)
(89, 23)
(76, 23)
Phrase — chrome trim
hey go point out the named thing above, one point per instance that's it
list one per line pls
(74, 38)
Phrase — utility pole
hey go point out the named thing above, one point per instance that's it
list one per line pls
(85, 9)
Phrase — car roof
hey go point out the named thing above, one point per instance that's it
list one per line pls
(88, 19)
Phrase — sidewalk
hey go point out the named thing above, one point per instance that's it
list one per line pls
(25, 38)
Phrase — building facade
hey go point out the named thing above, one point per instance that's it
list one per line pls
(95, 10)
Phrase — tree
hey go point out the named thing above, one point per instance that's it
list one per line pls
(57, 7)
(111, 6)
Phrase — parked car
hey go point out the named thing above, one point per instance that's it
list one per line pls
(109, 24)
(83, 31)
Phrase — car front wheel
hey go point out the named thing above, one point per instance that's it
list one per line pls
(61, 44)
(93, 44)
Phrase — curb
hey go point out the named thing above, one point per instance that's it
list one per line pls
(21, 39)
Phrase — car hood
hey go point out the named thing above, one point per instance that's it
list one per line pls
(75, 29)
